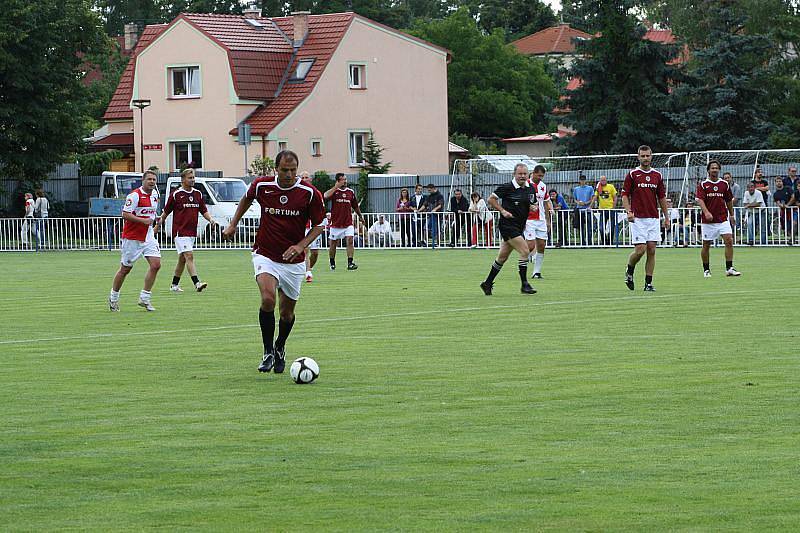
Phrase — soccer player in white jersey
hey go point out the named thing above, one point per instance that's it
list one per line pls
(539, 223)
(138, 239)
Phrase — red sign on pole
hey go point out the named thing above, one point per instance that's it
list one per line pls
(151, 147)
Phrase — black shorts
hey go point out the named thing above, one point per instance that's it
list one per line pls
(509, 231)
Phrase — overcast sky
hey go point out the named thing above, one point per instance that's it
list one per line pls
(555, 4)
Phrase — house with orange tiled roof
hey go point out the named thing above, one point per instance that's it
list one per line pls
(555, 43)
(315, 84)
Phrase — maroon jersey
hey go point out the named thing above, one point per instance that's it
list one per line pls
(644, 188)
(185, 207)
(284, 214)
(343, 202)
(716, 195)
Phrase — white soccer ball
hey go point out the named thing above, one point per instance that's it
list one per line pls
(304, 370)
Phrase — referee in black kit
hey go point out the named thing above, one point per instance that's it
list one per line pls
(516, 197)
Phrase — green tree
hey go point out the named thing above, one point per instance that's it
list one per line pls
(624, 98)
(516, 18)
(373, 157)
(722, 103)
(117, 13)
(41, 92)
(108, 63)
(493, 90)
(262, 166)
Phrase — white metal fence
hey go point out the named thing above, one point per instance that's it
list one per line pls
(771, 226)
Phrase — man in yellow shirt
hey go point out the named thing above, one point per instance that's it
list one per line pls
(606, 202)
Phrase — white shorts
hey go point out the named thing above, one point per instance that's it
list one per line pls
(290, 276)
(535, 229)
(712, 232)
(132, 250)
(184, 244)
(645, 230)
(339, 233)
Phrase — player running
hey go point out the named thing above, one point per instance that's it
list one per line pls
(186, 203)
(716, 201)
(138, 239)
(343, 203)
(517, 197)
(287, 204)
(539, 223)
(642, 193)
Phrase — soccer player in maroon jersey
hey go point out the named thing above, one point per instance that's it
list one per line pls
(716, 201)
(343, 203)
(287, 204)
(138, 240)
(642, 193)
(185, 203)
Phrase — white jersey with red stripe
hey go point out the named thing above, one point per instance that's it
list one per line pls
(541, 197)
(142, 205)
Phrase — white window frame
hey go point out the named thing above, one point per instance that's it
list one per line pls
(188, 71)
(361, 69)
(318, 152)
(353, 149)
(173, 152)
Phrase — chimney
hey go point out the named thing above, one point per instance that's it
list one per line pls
(131, 31)
(252, 11)
(300, 27)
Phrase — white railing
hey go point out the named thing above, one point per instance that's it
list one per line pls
(771, 226)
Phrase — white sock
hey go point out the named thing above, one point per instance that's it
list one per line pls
(114, 296)
(537, 265)
(308, 272)
(145, 295)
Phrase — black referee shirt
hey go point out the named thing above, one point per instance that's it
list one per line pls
(517, 200)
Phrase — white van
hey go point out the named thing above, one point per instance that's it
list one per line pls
(222, 197)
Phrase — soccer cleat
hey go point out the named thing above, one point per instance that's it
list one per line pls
(536, 275)
(352, 266)
(527, 289)
(175, 288)
(732, 272)
(267, 362)
(309, 277)
(649, 288)
(280, 360)
(629, 281)
(200, 285)
(113, 305)
(146, 304)
(706, 273)
(487, 288)
(333, 267)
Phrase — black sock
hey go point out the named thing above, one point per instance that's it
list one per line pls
(267, 321)
(176, 280)
(648, 280)
(333, 261)
(706, 266)
(631, 269)
(349, 260)
(728, 265)
(195, 280)
(523, 270)
(284, 328)
(495, 270)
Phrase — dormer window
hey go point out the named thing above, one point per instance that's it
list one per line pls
(184, 82)
(302, 70)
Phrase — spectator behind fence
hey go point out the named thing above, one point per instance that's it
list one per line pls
(405, 209)
(736, 189)
(781, 197)
(460, 209)
(433, 204)
(380, 233)
(606, 202)
(790, 179)
(584, 196)
(27, 223)
(794, 214)
(691, 223)
(41, 210)
(482, 222)
(417, 204)
(560, 214)
(761, 184)
(668, 234)
(753, 200)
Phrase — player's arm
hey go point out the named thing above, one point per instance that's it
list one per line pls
(731, 212)
(626, 204)
(130, 217)
(494, 204)
(702, 203)
(357, 209)
(548, 212)
(665, 211)
(241, 209)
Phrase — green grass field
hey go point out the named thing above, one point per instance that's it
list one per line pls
(584, 407)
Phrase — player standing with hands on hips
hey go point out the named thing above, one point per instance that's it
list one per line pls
(287, 204)
(642, 193)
